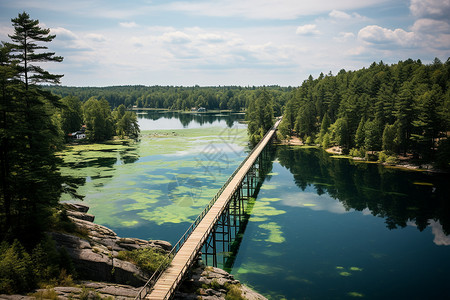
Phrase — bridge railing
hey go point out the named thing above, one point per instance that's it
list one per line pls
(147, 288)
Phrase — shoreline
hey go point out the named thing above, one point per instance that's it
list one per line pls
(102, 275)
(336, 152)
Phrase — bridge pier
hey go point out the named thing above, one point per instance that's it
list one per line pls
(226, 213)
(223, 241)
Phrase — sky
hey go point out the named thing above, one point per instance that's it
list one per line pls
(230, 42)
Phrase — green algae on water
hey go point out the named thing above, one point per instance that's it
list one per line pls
(356, 294)
(275, 233)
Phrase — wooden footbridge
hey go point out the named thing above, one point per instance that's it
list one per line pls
(203, 232)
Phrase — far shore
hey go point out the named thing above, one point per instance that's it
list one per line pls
(404, 164)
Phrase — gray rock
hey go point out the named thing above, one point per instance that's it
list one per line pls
(76, 207)
(204, 276)
(162, 244)
(81, 215)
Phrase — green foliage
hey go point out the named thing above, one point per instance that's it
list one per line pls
(98, 120)
(355, 152)
(392, 160)
(443, 154)
(308, 141)
(71, 114)
(48, 293)
(372, 134)
(326, 141)
(283, 132)
(89, 294)
(233, 98)
(260, 116)
(20, 272)
(399, 108)
(16, 269)
(233, 292)
(30, 182)
(126, 122)
(340, 132)
(382, 156)
(148, 259)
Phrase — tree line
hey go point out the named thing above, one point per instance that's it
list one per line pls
(391, 110)
(233, 98)
(101, 122)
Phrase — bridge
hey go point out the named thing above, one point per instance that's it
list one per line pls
(214, 225)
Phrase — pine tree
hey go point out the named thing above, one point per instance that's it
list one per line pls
(260, 116)
(31, 182)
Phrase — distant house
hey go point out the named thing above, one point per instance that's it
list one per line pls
(201, 109)
(80, 134)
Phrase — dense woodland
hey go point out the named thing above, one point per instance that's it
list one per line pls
(399, 109)
(234, 98)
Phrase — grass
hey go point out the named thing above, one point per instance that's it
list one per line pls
(147, 259)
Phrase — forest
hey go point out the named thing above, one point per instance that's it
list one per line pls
(379, 112)
(233, 98)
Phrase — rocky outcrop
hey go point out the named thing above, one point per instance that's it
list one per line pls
(95, 255)
(208, 283)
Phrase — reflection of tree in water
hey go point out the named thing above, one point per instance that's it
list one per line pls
(398, 196)
(187, 118)
(265, 167)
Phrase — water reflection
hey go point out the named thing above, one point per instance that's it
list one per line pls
(151, 120)
(397, 196)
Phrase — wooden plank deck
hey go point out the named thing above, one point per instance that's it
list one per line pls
(167, 283)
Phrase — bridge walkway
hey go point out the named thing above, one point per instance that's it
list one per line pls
(167, 283)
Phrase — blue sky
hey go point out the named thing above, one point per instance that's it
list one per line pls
(231, 42)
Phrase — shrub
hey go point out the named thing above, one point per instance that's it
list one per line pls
(148, 259)
(326, 142)
(382, 156)
(16, 269)
(308, 140)
(370, 157)
(391, 160)
(89, 294)
(233, 292)
(46, 294)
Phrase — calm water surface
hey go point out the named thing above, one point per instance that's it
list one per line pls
(325, 228)
(320, 228)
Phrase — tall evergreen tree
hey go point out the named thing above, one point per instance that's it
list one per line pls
(31, 182)
(260, 116)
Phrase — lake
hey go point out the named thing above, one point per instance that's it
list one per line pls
(320, 228)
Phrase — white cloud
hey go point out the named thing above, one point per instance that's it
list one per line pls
(212, 38)
(266, 9)
(341, 15)
(430, 8)
(63, 34)
(344, 37)
(176, 37)
(308, 29)
(128, 24)
(96, 37)
(431, 26)
(383, 37)
(314, 202)
(440, 238)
